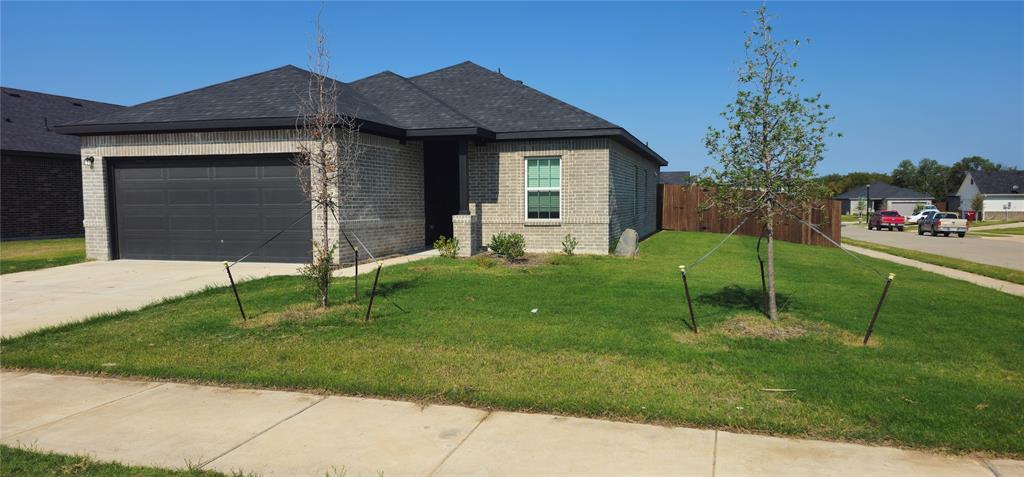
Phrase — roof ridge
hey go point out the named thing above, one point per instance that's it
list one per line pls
(20, 90)
(442, 102)
(502, 76)
(196, 90)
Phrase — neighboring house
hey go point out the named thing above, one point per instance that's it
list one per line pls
(463, 151)
(1002, 191)
(674, 177)
(40, 171)
(883, 197)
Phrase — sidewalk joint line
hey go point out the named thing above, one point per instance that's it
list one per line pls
(992, 469)
(457, 446)
(714, 455)
(260, 433)
(83, 411)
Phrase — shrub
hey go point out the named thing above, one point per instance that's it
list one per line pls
(317, 274)
(509, 246)
(447, 247)
(569, 244)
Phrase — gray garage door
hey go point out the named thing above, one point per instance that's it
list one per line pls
(209, 208)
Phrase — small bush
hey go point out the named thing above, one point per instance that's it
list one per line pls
(317, 274)
(569, 244)
(447, 247)
(509, 246)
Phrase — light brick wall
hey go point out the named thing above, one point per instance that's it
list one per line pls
(382, 211)
(632, 193)
(382, 202)
(497, 192)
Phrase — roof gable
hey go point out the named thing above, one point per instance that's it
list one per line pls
(29, 118)
(501, 104)
(999, 182)
(881, 190)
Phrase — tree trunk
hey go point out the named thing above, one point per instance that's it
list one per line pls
(773, 313)
(325, 278)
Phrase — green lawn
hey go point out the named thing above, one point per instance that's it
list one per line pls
(609, 340)
(1000, 273)
(23, 255)
(1000, 232)
(23, 462)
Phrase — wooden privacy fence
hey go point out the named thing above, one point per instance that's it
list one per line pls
(677, 210)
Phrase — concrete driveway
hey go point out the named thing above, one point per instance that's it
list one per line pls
(52, 296)
(1000, 252)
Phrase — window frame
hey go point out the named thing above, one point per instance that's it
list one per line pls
(527, 189)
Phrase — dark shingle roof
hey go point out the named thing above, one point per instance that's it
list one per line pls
(674, 177)
(881, 190)
(267, 95)
(462, 100)
(502, 104)
(29, 117)
(408, 104)
(999, 182)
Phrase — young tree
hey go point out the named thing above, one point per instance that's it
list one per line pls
(978, 205)
(326, 157)
(773, 141)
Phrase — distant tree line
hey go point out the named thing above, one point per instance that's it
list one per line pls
(927, 176)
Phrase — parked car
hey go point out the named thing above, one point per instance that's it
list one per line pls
(944, 223)
(889, 219)
(912, 219)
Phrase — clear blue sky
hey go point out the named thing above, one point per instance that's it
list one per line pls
(906, 80)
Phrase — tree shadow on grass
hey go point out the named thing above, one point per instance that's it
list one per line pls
(735, 297)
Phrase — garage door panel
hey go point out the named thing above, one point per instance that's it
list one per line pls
(188, 197)
(283, 196)
(188, 172)
(237, 197)
(212, 208)
(237, 172)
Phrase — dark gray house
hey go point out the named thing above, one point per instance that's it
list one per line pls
(463, 151)
(40, 171)
(883, 197)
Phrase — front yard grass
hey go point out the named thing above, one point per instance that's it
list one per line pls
(24, 255)
(991, 271)
(26, 462)
(609, 340)
(1000, 232)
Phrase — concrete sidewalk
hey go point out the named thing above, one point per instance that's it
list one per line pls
(980, 280)
(1012, 225)
(277, 433)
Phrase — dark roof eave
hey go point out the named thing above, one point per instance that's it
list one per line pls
(211, 125)
(450, 132)
(619, 134)
(41, 154)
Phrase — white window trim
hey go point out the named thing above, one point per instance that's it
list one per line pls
(527, 189)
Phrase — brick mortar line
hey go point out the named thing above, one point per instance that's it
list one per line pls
(459, 445)
(69, 416)
(264, 431)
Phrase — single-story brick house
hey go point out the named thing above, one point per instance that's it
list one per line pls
(1003, 193)
(883, 197)
(40, 171)
(206, 175)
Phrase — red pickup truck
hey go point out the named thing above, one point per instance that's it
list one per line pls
(889, 219)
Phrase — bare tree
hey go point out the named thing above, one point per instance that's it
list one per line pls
(328, 149)
(772, 143)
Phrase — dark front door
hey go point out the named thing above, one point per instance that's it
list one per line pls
(440, 187)
(210, 208)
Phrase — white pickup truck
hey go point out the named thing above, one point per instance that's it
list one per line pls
(944, 223)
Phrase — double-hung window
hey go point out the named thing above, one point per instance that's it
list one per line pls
(543, 187)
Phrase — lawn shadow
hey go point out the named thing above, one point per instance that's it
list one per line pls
(735, 297)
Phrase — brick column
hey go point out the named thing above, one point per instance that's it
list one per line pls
(94, 200)
(465, 227)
